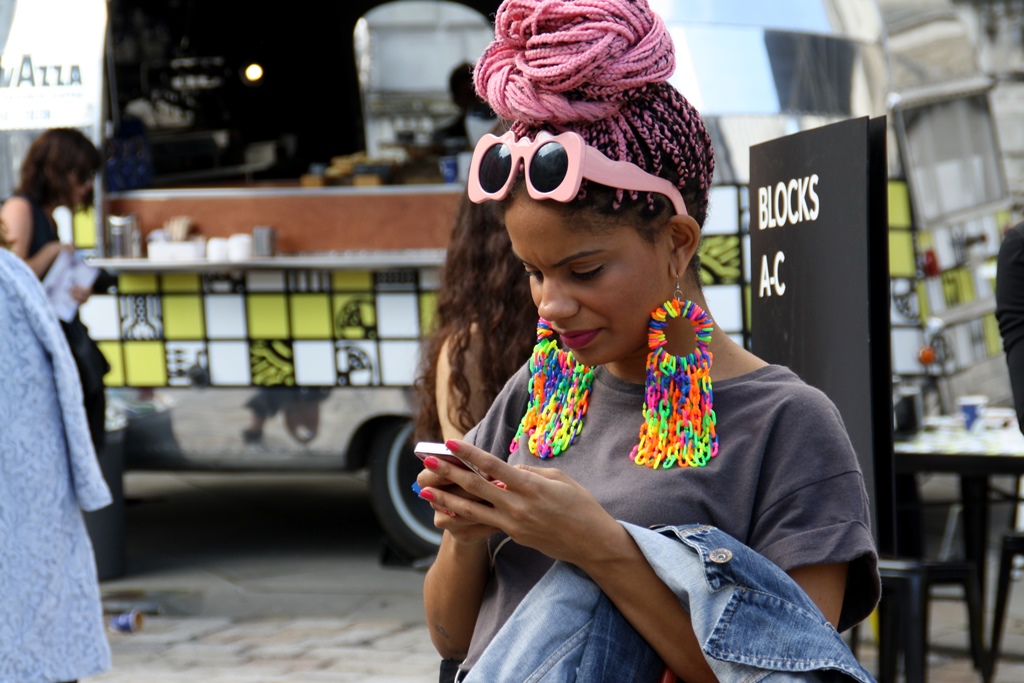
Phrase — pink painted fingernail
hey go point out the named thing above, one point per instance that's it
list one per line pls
(499, 484)
(430, 462)
(452, 445)
(427, 494)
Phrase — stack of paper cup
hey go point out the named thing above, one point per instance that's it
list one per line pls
(264, 241)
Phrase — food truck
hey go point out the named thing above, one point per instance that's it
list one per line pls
(274, 324)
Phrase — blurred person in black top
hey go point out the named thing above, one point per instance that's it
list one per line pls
(1010, 310)
(454, 135)
(59, 170)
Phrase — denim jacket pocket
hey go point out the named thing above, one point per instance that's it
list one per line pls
(751, 613)
(762, 630)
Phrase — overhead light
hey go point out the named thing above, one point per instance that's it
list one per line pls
(252, 74)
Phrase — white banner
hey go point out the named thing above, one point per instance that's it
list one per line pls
(51, 63)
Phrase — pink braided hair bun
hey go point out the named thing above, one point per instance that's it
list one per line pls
(599, 68)
(562, 61)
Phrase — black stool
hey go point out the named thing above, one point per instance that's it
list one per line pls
(903, 614)
(1013, 545)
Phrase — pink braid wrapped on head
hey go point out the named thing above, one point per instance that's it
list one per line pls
(599, 68)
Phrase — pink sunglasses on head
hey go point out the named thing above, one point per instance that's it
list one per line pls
(554, 167)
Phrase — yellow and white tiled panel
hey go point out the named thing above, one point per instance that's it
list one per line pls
(725, 205)
(272, 363)
(724, 254)
(352, 305)
(964, 254)
(957, 287)
(949, 289)
(264, 328)
(905, 309)
(966, 242)
(958, 347)
(726, 274)
(993, 339)
(430, 283)
(902, 252)
(229, 362)
(398, 326)
(904, 302)
(970, 343)
(906, 344)
(83, 228)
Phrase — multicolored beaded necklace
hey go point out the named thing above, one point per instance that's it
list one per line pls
(678, 397)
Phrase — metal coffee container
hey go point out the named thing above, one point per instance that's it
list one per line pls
(264, 241)
(123, 236)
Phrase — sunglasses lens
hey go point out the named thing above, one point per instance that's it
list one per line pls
(548, 167)
(495, 168)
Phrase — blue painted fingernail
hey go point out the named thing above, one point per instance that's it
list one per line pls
(416, 488)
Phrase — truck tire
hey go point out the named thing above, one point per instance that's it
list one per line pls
(407, 520)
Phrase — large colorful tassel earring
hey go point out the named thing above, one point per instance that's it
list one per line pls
(679, 421)
(559, 393)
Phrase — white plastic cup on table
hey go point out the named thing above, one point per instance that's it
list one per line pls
(217, 249)
(464, 159)
(240, 247)
(973, 409)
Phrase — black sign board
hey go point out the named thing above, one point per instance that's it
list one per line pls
(820, 282)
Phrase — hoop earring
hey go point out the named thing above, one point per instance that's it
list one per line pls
(679, 420)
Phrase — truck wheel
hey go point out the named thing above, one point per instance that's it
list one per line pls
(408, 521)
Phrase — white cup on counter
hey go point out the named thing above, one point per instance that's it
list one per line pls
(217, 249)
(240, 247)
(973, 410)
(464, 160)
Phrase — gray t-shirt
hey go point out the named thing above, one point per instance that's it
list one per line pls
(786, 482)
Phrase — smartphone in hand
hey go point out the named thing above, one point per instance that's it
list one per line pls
(441, 452)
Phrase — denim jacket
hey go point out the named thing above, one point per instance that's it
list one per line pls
(754, 623)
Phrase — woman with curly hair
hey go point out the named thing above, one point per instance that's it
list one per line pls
(59, 170)
(485, 326)
(632, 520)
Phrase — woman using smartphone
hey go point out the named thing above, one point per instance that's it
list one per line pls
(603, 185)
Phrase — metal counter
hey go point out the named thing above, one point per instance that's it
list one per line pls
(340, 260)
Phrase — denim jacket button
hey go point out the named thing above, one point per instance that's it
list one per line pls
(720, 555)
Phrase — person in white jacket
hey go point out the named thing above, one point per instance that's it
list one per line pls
(51, 614)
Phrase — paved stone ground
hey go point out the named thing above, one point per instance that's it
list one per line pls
(177, 649)
(253, 578)
(215, 650)
(262, 578)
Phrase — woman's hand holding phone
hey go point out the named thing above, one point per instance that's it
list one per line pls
(425, 449)
(462, 529)
(541, 508)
